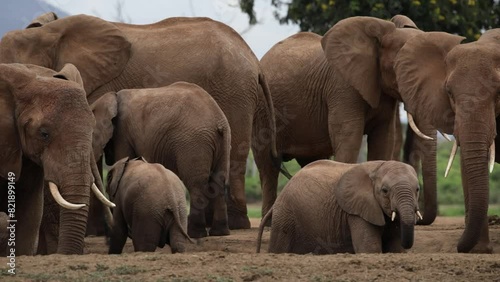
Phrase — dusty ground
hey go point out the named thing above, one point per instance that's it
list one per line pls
(232, 258)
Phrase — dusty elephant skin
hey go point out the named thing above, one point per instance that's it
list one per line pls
(346, 87)
(457, 86)
(116, 56)
(46, 135)
(181, 127)
(330, 207)
(150, 207)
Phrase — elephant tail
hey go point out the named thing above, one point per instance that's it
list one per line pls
(270, 113)
(177, 221)
(261, 228)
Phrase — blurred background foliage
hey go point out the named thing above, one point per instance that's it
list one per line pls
(463, 17)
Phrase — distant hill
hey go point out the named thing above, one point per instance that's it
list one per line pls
(19, 13)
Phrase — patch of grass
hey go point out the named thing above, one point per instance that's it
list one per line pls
(44, 277)
(101, 267)
(78, 267)
(127, 270)
(254, 211)
(219, 278)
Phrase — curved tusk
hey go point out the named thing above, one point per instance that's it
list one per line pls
(393, 216)
(419, 215)
(101, 197)
(492, 157)
(452, 157)
(414, 127)
(60, 200)
(445, 136)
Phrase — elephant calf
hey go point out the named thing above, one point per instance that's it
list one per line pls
(150, 207)
(330, 207)
(181, 127)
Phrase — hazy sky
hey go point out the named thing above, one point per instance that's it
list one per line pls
(260, 37)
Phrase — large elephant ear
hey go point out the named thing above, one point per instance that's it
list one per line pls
(43, 19)
(71, 73)
(403, 22)
(104, 109)
(351, 46)
(421, 74)
(12, 78)
(97, 48)
(490, 36)
(355, 195)
(115, 175)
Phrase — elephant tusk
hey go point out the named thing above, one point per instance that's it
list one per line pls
(419, 215)
(101, 197)
(415, 128)
(492, 157)
(60, 200)
(445, 136)
(452, 157)
(393, 216)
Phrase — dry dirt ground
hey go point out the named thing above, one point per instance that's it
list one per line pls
(232, 258)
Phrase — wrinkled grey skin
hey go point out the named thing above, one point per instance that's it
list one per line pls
(150, 207)
(330, 207)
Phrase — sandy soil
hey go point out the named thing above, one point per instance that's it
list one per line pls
(232, 258)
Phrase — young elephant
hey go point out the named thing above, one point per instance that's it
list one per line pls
(181, 127)
(150, 207)
(330, 207)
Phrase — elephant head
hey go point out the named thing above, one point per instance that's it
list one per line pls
(377, 191)
(457, 85)
(45, 120)
(96, 47)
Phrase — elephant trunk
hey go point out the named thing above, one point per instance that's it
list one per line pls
(474, 167)
(429, 178)
(73, 223)
(406, 210)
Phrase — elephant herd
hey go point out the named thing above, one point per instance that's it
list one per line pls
(189, 94)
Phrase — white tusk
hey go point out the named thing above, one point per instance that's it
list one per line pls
(393, 216)
(61, 201)
(419, 215)
(101, 197)
(452, 157)
(445, 136)
(492, 156)
(415, 128)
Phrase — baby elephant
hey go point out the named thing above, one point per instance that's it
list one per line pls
(150, 207)
(330, 207)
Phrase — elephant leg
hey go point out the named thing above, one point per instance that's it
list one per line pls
(346, 140)
(391, 239)
(145, 235)
(196, 219)
(366, 237)
(268, 173)
(236, 200)
(29, 209)
(49, 229)
(119, 233)
(177, 239)
(219, 225)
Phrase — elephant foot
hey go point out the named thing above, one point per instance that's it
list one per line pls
(219, 231)
(238, 221)
(197, 232)
(482, 248)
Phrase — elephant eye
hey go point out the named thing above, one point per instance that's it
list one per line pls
(385, 190)
(44, 133)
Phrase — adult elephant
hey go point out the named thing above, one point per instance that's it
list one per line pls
(47, 129)
(456, 86)
(329, 91)
(115, 56)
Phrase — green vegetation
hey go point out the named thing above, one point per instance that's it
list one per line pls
(463, 17)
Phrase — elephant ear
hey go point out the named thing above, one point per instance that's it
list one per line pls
(355, 195)
(490, 36)
(104, 110)
(12, 78)
(403, 22)
(71, 73)
(43, 19)
(115, 175)
(351, 47)
(97, 48)
(421, 74)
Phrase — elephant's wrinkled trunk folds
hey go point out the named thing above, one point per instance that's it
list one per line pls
(406, 211)
(474, 160)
